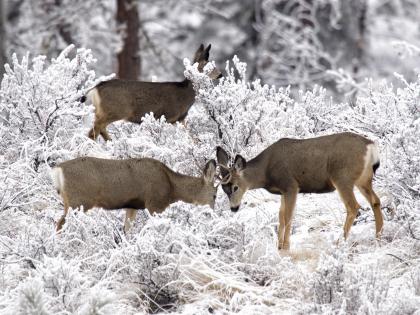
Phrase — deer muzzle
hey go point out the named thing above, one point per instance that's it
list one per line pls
(234, 209)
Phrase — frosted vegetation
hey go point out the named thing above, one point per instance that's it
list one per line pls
(192, 259)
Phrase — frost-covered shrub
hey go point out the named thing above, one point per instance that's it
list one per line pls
(173, 145)
(31, 298)
(40, 104)
(246, 117)
(193, 259)
(340, 284)
(392, 117)
(40, 98)
(328, 282)
(41, 120)
(237, 114)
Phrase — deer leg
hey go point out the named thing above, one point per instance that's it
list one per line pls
(289, 206)
(62, 220)
(99, 128)
(352, 206)
(94, 132)
(105, 134)
(281, 223)
(374, 201)
(130, 216)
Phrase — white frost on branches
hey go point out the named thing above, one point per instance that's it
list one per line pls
(192, 259)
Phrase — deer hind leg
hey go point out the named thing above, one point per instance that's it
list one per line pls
(99, 128)
(130, 216)
(346, 192)
(366, 189)
(62, 220)
(288, 203)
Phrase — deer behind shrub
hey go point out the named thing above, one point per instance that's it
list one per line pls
(130, 100)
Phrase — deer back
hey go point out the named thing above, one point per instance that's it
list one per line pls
(314, 163)
(114, 184)
(131, 100)
(131, 183)
(308, 165)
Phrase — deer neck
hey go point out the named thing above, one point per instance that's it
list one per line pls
(185, 188)
(254, 173)
(188, 85)
(188, 91)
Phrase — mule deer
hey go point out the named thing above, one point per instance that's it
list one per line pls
(318, 165)
(131, 100)
(131, 184)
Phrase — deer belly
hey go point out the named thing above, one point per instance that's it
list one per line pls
(120, 203)
(316, 188)
(107, 200)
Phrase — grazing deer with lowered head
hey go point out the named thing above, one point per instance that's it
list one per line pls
(131, 184)
(318, 165)
(130, 100)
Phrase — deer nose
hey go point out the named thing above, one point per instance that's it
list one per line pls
(234, 209)
(219, 76)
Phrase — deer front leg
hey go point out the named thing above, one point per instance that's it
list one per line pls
(105, 134)
(130, 216)
(281, 223)
(288, 205)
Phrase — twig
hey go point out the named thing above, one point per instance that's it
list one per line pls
(398, 258)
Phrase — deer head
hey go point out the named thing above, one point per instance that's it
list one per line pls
(233, 182)
(201, 57)
(208, 192)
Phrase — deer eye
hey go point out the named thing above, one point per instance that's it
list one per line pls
(235, 188)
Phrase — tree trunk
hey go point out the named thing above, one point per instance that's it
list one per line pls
(129, 58)
(3, 58)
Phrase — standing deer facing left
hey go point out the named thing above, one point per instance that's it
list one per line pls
(318, 165)
(130, 184)
(130, 100)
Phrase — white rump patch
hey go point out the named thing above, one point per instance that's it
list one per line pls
(57, 178)
(94, 98)
(372, 155)
(371, 158)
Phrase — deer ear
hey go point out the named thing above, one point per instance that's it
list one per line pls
(209, 171)
(239, 163)
(222, 157)
(206, 53)
(198, 53)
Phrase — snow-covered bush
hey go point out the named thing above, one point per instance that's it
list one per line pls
(245, 117)
(192, 259)
(391, 116)
(340, 284)
(41, 118)
(174, 145)
(40, 99)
